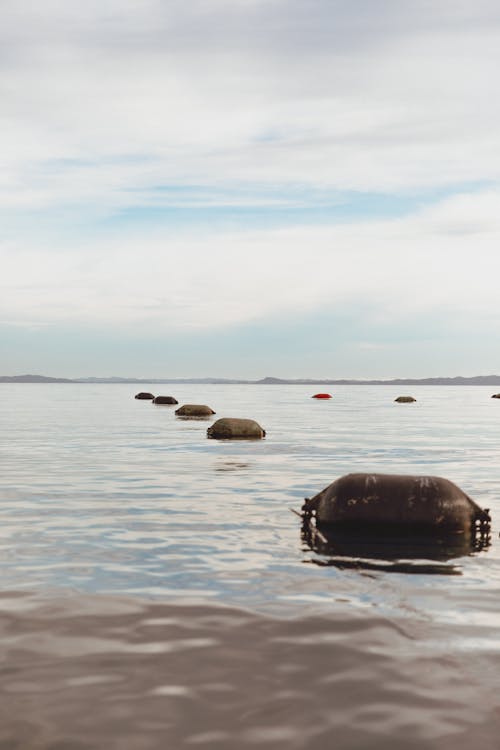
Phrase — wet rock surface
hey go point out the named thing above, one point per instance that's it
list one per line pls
(395, 501)
(236, 429)
(194, 410)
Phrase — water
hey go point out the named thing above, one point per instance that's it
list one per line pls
(156, 590)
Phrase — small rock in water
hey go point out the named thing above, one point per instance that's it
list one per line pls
(236, 429)
(194, 410)
(144, 396)
(165, 400)
(405, 399)
(496, 395)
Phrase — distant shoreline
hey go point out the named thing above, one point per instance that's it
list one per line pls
(485, 380)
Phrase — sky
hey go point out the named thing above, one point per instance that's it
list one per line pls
(247, 188)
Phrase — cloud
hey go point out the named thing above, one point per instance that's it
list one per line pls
(441, 260)
(103, 98)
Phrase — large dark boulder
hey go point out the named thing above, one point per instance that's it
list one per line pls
(496, 395)
(236, 429)
(165, 400)
(144, 396)
(405, 400)
(395, 502)
(194, 410)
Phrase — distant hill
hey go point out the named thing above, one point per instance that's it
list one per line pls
(32, 379)
(159, 381)
(490, 380)
(476, 380)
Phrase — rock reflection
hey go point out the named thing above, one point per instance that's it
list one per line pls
(231, 465)
(194, 418)
(393, 552)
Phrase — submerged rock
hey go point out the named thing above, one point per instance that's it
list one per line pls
(236, 429)
(405, 399)
(194, 410)
(395, 502)
(165, 400)
(144, 396)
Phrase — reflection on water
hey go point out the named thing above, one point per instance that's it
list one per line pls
(192, 418)
(412, 567)
(354, 547)
(221, 465)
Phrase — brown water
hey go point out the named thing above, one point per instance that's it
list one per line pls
(156, 591)
(88, 672)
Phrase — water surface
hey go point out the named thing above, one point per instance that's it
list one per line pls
(143, 564)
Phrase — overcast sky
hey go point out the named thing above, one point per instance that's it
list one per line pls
(244, 188)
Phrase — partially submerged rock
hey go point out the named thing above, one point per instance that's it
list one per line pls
(144, 396)
(405, 399)
(236, 429)
(165, 400)
(194, 410)
(496, 395)
(394, 502)
(355, 549)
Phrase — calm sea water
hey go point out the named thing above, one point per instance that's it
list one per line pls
(156, 591)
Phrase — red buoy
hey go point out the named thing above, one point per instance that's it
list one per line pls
(321, 395)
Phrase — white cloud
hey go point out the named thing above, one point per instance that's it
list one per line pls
(442, 261)
(363, 95)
